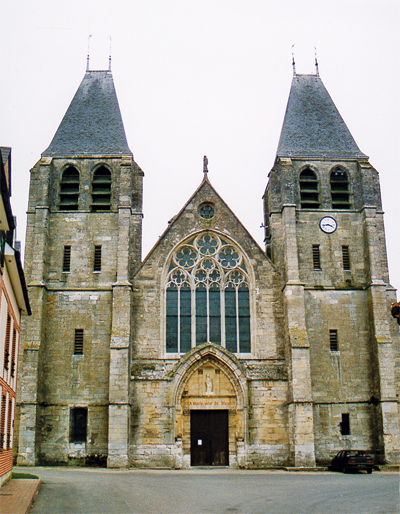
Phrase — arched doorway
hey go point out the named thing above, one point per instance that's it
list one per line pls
(209, 407)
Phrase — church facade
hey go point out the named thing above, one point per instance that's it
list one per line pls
(211, 351)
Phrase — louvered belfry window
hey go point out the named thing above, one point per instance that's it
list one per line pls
(207, 296)
(69, 190)
(101, 190)
(309, 189)
(340, 189)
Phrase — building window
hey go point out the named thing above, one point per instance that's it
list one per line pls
(78, 342)
(97, 259)
(340, 191)
(7, 343)
(345, 424)
(67, 259)
(316, 257)
(3, 421)
(9, 424)
(206, 211)
(309, 189)
(346, 258)
(207, 296)
(69, 190)
(333, 340)
(13, 350)
(78, 419)
(101, 190)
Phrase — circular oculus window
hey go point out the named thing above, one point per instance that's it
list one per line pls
(207, 211)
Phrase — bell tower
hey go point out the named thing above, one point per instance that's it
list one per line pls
(325, 234)
(83, 245)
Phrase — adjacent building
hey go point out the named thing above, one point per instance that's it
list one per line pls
(13, 302)
(211, 350)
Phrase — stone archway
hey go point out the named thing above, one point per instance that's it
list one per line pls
(210, 380)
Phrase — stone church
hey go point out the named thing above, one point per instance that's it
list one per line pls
(210, 351)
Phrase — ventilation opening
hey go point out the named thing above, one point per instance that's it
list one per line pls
(340, 190)
(316, 257)
(67, 259)
(78, 343)
(69, 190)
(101, 190)
(309, 195)
(333, 340)
(97, 259)
(346, 258)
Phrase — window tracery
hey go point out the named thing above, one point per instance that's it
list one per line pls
(207, 296)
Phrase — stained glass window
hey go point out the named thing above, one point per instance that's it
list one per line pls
(207, 296)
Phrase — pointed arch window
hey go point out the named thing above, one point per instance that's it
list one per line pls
(69, 190)
(340, 189)
(207, 296)
(309, 189)
(101, 189)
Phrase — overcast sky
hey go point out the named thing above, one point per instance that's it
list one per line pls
(202, 77)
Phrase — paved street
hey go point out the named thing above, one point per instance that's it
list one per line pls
(216, 491)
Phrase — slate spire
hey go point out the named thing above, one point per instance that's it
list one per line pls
(313, 127)
(92, 124)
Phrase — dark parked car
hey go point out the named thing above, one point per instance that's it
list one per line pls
(349, 460)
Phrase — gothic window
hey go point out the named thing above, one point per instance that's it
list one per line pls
(207, 296)
(340, 189)
(309, 189)
(101, 190)
(69, 190)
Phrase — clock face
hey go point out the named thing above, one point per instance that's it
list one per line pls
(328, 224)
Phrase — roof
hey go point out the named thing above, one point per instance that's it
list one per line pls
(313, 127)
(92, 124)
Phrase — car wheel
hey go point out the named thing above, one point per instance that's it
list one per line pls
(344, 469)
(369, 471)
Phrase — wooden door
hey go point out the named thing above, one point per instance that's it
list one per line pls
(209, 438)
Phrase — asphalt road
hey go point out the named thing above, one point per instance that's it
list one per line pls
(215, 491)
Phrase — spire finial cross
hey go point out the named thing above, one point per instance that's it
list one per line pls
(316, 63)
(293, 63)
